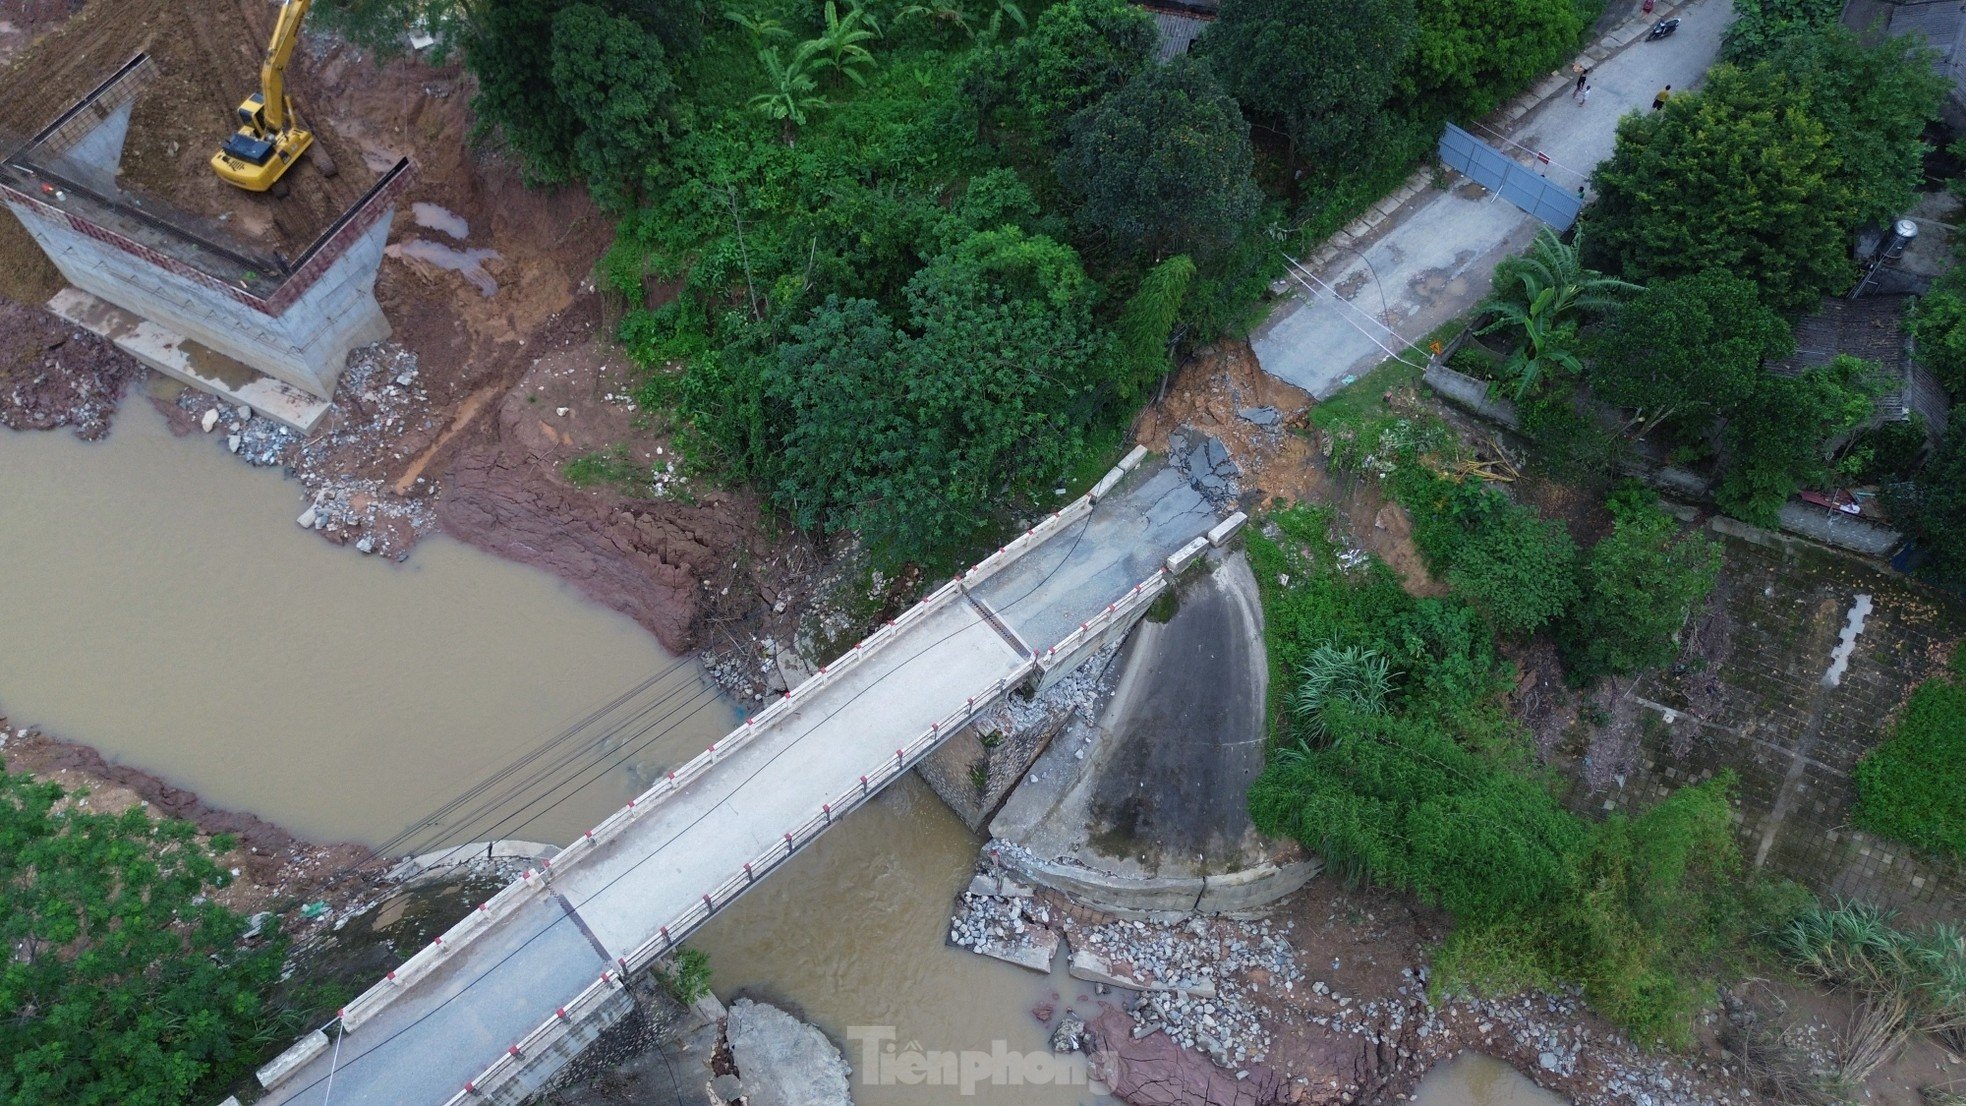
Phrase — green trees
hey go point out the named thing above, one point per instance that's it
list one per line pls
(1913, 787)
(1761, 25)
(1162, 166)
(915, 435)
(1540, 294)
(1768, 170)
(1938, 327)
(1474, 54)
(1322, 71)
(1078, 53)
(123, 984)
(1146, 326)
(1939, 511)
(791, 89)
(1687, 351)
(619, 75)
(1516, 568)
(578, 90)
(1781, 440)
(1640, 584)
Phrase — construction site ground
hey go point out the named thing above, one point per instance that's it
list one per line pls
(499, 370)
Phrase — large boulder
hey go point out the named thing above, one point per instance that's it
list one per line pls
(782, 1061)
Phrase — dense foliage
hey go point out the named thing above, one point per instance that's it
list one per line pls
(124, 983)
(1913, 787)
(909, 431)
(1761, 25)
(1411, 777)
(1769, 169)
(1687, 351)
(1323, 72)
(1938, 327)
(1162, 167)
(1782, 439)
(1640, 583)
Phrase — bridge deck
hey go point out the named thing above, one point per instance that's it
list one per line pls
(447, 1025)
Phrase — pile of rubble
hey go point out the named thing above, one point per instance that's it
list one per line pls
(1011, 926)
(1195, 979)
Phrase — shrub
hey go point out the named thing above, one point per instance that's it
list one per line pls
(1640, 584)
(687, 977)
(124, 982)
(1913, 787)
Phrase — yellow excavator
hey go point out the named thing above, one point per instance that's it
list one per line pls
(270, 137)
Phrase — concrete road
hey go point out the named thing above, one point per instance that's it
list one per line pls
(1049, 590)
(1434, 258)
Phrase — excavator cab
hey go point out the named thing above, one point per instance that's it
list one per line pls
(270, 137)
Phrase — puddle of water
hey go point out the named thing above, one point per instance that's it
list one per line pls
(851, 934)
(1477, 1080)
(469, 264)
(441, 219)
(158, 602)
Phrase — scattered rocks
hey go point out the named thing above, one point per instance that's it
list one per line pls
(54, 375)
(1011, 929)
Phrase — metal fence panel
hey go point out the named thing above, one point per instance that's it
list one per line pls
(1500, 174)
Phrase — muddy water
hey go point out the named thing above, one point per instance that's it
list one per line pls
(849, 935)
(1477, 1080)
(158, 602)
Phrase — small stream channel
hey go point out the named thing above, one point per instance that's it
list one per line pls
(158, 602)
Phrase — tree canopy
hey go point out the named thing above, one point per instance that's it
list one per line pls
(1781, 439)
(913, 433)
(1162, 166)
(1078, 53)
(1474, 54)
(124, 984)
(1325, 72)
(1687, 350)
(1769, 169)
(1640, 584)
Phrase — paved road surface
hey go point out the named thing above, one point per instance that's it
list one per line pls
(1436, 260)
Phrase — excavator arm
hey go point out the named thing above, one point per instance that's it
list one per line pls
(273, 71)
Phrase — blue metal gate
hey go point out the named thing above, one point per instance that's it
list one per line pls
(1500, 174)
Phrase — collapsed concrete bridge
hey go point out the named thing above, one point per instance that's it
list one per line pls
(493, 1008)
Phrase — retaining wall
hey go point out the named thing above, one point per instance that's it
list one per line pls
(1247, 891)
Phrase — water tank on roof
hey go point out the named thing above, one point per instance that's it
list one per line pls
(1902, 232)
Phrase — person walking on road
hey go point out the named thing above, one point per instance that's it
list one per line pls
(1585, 98)
(1659, 101)
(1582, 75)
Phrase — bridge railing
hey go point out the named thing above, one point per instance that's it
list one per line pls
(667, 937)
(516, 894)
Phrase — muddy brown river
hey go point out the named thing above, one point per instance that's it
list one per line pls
(158, 602)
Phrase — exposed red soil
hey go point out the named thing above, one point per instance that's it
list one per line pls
(1287, 462)
(506, 491)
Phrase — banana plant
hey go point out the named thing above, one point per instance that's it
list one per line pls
(792, 91)
(763, 29)
(839, 43)
(1540, 293)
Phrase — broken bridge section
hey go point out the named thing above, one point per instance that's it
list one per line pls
(494, 1007)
